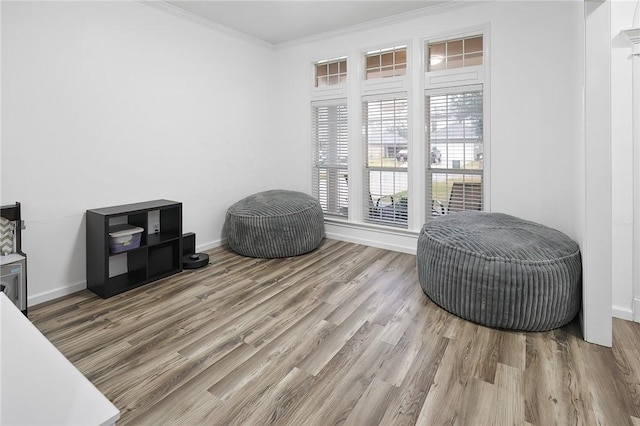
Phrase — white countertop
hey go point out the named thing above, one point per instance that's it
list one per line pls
(38, 385)
(10, 258)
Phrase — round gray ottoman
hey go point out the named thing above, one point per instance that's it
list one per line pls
(500, 271)
(275, 223)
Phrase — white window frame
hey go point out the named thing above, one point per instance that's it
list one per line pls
(444, 208)
(334, 162)
(388, 50)
(335, 91)
(381, 88)
(457, 79)
(339, 74)
(415, 84)
(389, 213)
(385, 85)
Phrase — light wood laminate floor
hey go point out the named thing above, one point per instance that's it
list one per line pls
(343, 335)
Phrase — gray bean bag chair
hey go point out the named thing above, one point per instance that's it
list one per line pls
(500, 271)
(275, 223)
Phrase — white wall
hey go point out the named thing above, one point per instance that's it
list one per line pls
(106, 103)
(622, 159)
(536, 67)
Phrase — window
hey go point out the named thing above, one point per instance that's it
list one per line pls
(447, 169)
(385, 181)
(390, 62)
(464, 52)
(331, 72)
(330, 156)
(454, 135)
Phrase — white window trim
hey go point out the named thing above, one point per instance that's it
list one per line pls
(465, 172)
(328, 103)
(366, 169)
(484, 78)
(413, 83)
(456, 76)
(386, 88)
(386, 84)
(328, 92)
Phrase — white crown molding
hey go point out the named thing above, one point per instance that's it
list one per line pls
(197, 19)
(633, 35)
(446, 6)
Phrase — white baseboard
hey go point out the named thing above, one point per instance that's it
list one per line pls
(622, 313)
(400, 241)
(211, 245)
(636, 310)
(371, 243)
(352, 234)
(36, 299)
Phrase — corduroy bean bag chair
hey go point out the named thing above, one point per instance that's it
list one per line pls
(500, 271)
(275, 223)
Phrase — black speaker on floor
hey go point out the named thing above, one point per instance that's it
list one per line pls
(191, 259)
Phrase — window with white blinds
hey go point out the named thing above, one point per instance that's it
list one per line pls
(455, 150)
(330, 157)
(385, 130)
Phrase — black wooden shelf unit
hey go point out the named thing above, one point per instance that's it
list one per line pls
(159, 254)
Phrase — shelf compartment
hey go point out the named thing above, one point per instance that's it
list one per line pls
(140, 220)
(161, 238)
(170, 223)
(164, 259)
(127, 281)
(134, 219)
(127, 271)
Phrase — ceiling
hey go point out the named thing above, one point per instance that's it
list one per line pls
(278, 22)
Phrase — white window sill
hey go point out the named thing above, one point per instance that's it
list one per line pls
(370, 227)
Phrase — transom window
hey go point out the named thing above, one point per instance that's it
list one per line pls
(457, 53)
(331, 72)
(390, 62)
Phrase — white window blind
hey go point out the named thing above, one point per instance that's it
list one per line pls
(386, 162)
(455, 149)
(330, 157)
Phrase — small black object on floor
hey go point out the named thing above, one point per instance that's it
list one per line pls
(196, 260)
(191, 259)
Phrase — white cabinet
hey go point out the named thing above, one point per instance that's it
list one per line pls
(38, 385)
